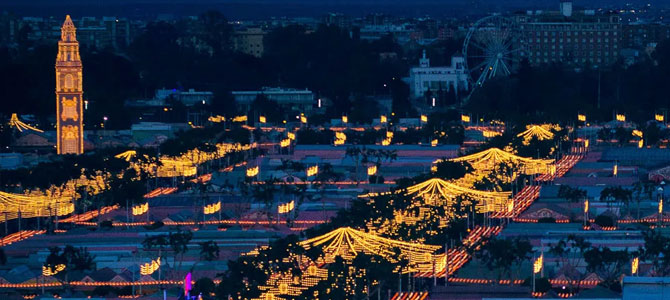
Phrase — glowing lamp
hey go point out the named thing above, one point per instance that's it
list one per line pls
(345, 119)
(433, 143)
(291, 136)
(424, 118)
(240, 119)
(383, 119)
(640, 143)
(586, 206)
(303, 119)
(253, 171)
(313, 170)
(659, 117)
(634, 265)
(372, 170)
(537, 265)
(262, 119)
(465, 118)
(285, 143)
(621, 117)
(581, 117)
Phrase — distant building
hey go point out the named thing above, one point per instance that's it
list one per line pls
(290, 99)
(188, 98)
(249, 41)
(156, 130)
(113, 32)
(640, 35)
(568, 36)
(426, 78)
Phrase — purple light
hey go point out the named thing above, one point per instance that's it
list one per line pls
(187, 283)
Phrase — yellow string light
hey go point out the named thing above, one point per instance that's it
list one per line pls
(240, 119)
(539, 132)
(15, 122)
(537, 265)
(216, 119)
(286, 207)
(372, 170)
(46, 271)
(621, 117)
(150, 267)
(312, 171)
(581, 117)
(140, 209)
(253, 171)
(659, 117)
(127, 155)
(490, 159)
(212, 208)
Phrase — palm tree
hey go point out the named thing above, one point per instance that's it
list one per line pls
(355, 153)
(179, 243)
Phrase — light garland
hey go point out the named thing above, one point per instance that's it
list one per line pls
(253, 171)
(48, 271)
(150, 267)
(212, 208)
(312, 171)
(286, 207)
(489, 159)
(140, 209)
(15, 122)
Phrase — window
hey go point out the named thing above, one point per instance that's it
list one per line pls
(69, 82)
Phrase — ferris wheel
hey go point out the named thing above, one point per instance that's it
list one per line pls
(490, 49)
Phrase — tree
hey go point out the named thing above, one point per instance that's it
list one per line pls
(570, 253)
(179, 241)
(501, 254)
(204, 286)
(608, 264)
(573, 195)
(657, 249)
(209, 251)
(618, 194)
(356, 154)
(3, 257)
(74, 260)
(449, 170)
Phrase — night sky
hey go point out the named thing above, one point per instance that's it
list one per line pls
(250, 9)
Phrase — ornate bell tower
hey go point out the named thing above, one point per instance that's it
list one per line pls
(69, 102)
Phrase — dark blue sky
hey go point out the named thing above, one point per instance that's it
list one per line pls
(251, 9)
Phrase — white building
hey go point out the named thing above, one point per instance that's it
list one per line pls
(424, 77)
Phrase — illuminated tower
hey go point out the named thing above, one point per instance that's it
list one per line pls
(69, 103)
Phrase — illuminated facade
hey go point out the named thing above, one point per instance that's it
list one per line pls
(69, 102)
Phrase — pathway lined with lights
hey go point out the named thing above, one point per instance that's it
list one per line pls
(459, 256)
(19, 236)
(410, 296)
